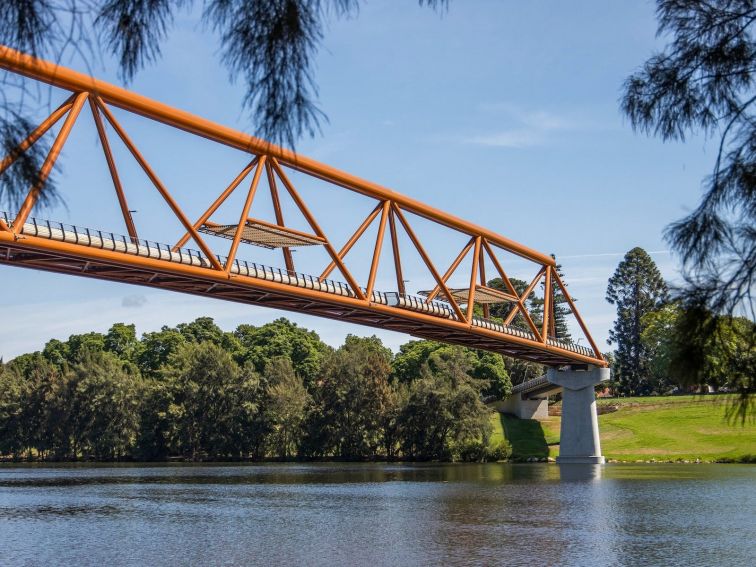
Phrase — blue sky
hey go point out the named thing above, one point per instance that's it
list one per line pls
(504, 113)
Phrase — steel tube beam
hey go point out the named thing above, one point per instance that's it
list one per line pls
(218, 202)
(52, 156)
(36, 134)
(245, 214)
(257, 285)
(71, 80)
(122, 202)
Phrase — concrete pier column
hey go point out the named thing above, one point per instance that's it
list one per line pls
(579, 440)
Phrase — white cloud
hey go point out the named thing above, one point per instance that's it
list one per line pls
(137, 300)
(527, 128)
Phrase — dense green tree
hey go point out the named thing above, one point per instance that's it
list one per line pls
(12, 401)
(57, 352)
(105, 405)
(636, 288)
(79, 346)
(723, 359)
(157, 348)
(411, 358)
(703, 82)
(486, 366)
(660, 341)
(522, 370)
(48, 427)
(214, 401)
(122, 341)
(283, 338)
(443, 412)
(286, 406)
(204, 329)
(351, 401)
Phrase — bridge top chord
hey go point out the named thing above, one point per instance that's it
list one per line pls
(444, 313)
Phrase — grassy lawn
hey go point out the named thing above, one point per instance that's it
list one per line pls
(661, 428)
(685, 427)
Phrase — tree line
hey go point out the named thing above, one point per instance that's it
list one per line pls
(660, 348)
(198, 392)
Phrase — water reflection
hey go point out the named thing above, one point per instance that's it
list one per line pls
(575, 472)
(378, 514)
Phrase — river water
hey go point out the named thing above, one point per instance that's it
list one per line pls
(378, 514)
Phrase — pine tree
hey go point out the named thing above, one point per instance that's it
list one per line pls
(636, 288)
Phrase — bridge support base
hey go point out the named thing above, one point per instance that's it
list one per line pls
(530, 408)
(579, 442)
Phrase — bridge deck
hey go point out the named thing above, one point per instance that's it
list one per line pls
(52, 246)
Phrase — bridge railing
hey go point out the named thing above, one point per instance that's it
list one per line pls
(392, 212)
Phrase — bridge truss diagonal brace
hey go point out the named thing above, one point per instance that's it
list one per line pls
(287, 255)
(36, 134)
(317, 230)
(450, 271)
(353, 240)
(245, 214)
(120, 194)
(158, 184)
(44, 174)
(218, 202)
(575, 312)
(428, 262)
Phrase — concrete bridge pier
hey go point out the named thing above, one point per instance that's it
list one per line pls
(579, 439)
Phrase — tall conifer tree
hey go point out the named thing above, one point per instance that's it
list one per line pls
(636, 288)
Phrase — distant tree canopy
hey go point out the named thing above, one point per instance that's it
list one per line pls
(276, 391)
(703, 81)
(720, 360)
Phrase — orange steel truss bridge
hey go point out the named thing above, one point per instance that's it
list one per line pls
(442, 313)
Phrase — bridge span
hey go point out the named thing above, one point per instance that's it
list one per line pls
(457, 315)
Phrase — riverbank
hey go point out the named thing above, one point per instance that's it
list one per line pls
(652, 429)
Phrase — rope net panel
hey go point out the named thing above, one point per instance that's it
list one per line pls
(260, 233)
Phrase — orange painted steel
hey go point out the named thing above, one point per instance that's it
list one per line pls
(454, 265)
(428, 263)
(521, 306)
(352, 240)
(316, 228)
(158, 184)
(287, 255)
(547, 293)
(397, 256)
(378, 248)
(122, 202)
(70, 80)
(361, 305)
(245, 214)
(218, 202)
(483, 281)
(57, 147)
(473, 277)
(575, 312)
(38, 132)
(418, 324)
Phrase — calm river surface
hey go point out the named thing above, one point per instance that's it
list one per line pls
(375, 514)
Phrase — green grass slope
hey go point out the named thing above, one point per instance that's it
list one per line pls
(669, 428)
(675, 428)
